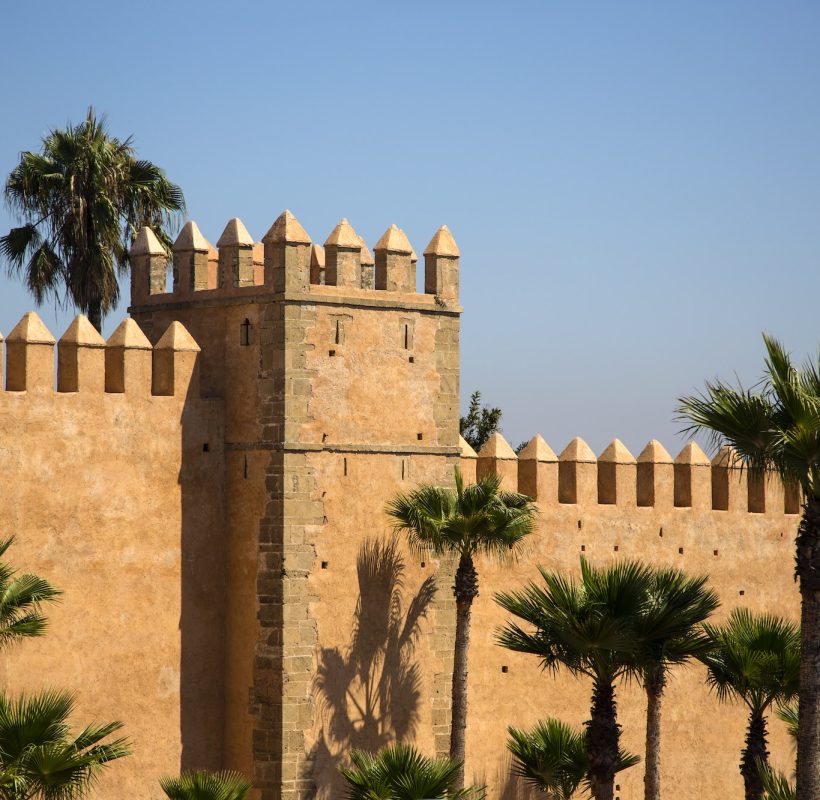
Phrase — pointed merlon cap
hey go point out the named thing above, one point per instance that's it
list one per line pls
(692, 454)
(537, 450)
(82, 333)
(191, 238)
(235, 235)
(497, 447)
(129, 335)
(617, 453)
(578, 450)
(413, 256)
(367, 256)
(286, 228)
(317, 256)
(31, 330)
(726, 457)
(466, 450)
(147, 244)
(442, 244)
(177, 338)
(654, 453)
(343, 235)
(394, 240)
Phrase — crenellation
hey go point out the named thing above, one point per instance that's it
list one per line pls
(729, 485)
(394, 268)
(655, 477)
(81, 358)
(149, 267)
(617, 476)
(343, 257)
(693, 479)
(441, 260)
(176, 363)
(538, 471)
(128, 356)
(498, 458)
(577, 474)
(235, 247)
(30, 356)
(191, 254)
(288, 255)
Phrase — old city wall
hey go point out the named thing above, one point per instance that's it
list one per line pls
(112, 485)
(701, 516)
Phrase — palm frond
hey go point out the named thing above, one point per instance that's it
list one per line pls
(204, 785)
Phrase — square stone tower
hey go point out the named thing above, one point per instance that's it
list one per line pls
(341, 386)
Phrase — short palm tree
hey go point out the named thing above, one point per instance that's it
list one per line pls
(80, 201)
(400, 772)
(754, 659)
(587, 627)
(40, 759)
(776, 427)
(21, 601)
(465, 521)
(669, 627)
(206, 786)
(775, 784)
(552, 758)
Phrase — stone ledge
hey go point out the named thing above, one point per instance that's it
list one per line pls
(387, 449)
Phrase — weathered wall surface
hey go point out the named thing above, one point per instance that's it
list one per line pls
(114, 499)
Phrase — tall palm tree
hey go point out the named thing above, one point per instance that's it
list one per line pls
(21, 601)
(206, 786)
(552, 758)
(669, 627)
(775, 427)
(40, 759)
(776, 785)
(588, 627)
(400, 772)
(465, 521)
(81, 200)
(754, 659)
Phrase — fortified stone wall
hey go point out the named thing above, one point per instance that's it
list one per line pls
(233, 589)
(112, 484)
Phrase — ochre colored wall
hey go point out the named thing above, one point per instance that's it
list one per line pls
(113, 499)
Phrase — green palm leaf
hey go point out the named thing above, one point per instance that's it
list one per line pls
(206, 786)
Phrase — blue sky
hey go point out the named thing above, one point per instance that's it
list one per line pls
(635, 187)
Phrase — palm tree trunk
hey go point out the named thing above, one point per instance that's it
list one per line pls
(602, 741)
(808, 732)
(465, 590)
(754, 756)
(95, 315)
(655, 681)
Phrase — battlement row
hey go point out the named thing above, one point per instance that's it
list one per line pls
(653, 479)
(124, 364)
(286, 260)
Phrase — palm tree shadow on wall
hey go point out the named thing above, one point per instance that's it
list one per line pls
(368, 693)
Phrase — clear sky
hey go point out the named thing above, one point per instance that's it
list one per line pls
(635, 187)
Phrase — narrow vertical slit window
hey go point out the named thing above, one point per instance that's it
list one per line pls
(338, 338)
(245, 333)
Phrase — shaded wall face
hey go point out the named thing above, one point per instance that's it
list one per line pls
(116, 499)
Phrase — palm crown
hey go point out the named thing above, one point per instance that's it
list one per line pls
(478, 518)
(81, 200)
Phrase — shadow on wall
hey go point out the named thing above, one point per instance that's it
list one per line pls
(203, 583)
(511, 786)
(369, 692)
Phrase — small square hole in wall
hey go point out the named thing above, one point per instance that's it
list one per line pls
(422, 565)
(742, 592)
(714, 552)
(615, 549)
(660, 533)
(617, 787)
(580, 524)
(420, 436)
(331, 353)
(680, 550)
(411, 360)
(505, 669)
(206, 448)
(324, 565)
(583, 548)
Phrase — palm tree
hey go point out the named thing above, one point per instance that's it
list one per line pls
(40, 759)
(552, 758)
(669, 627)
(206, 786)
(754, 659)
(775, 784)
(80, 201)
(776, 427)
(588, 627)
(21, 600)
(466, 521)
(400, 772)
